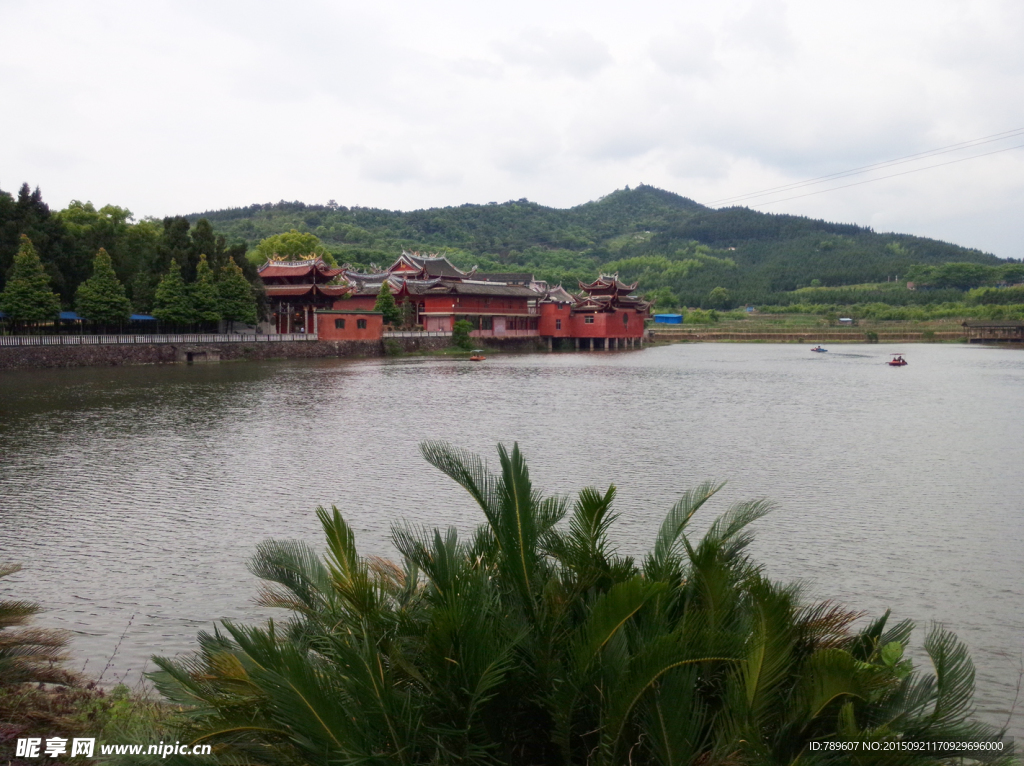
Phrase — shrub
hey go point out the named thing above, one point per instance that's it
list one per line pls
(460, 334)
(699, 316)
(535, 642)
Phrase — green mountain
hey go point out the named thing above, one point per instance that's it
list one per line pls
(678, 249)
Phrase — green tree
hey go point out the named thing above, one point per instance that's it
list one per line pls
(29, 215)
(460, 334)
(237, 303)
(172, 303)
(719, 298)
(290, 246)
(101, 298)
(27, 296)
(408, 309)
(387, 306)
(663, 298)
(206, 303)
(534, 642)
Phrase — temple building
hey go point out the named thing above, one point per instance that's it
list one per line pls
(433, 293)
(296, 289)
(439, 294)
(604, 314)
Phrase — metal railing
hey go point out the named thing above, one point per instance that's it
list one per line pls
(418, 334)
(505, 334)
(113, 340)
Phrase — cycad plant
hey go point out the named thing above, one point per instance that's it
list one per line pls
(534, 642)
(28, 654)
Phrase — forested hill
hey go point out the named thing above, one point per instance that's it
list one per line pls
(670, 243)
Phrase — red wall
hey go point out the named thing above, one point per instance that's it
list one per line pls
(608, 325)
(356, 303)
(327, 331)
(549, 312)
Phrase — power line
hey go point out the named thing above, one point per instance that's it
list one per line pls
(882, 178)
(1015, 133)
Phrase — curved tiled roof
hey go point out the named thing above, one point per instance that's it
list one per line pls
(293, 269)
(291, 291)
(429, 266)
(609, 283)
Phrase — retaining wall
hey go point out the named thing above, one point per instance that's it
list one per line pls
(26, 357)
(114, 355)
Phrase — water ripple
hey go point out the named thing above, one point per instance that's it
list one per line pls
(138, 494)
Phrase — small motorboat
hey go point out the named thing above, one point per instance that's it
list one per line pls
(820, 350)
(897, 361)
(477, 355)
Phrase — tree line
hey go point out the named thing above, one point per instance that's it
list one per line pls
(679, 251)
(28, 298)
(104, 265)
(140, 251)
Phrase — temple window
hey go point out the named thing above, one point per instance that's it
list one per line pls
(339, 324)
(361, 324)
(558, 324)
(589, 319)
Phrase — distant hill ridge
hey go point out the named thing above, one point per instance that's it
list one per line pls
(667, 241)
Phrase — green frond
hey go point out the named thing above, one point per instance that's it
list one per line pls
(954, 677)
(728, 526)
(610, 612)
(651, 663)
(667, 543)
(532, 643)
(305, 583)
(467, 469)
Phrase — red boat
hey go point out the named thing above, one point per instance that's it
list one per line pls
(897, 361)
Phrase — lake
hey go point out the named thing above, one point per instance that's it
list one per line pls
(134, 496)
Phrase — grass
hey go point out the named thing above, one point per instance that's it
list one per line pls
(765, 323)
(79, 708)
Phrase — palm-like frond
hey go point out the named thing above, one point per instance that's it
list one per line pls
(664, 559)
(531, 643)
(28, 654)
(294, 577)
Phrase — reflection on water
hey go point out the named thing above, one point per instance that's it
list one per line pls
(137, 494)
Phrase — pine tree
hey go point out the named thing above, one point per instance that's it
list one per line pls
(205, 300)
(237, 303)
(172, 303)
(101, 298)
(386, 305)
(27, 297)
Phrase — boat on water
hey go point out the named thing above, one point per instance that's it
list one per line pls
(897, 361)
(819, 349)
(477, 355)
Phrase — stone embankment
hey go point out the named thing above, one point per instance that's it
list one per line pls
(27, 357)
(114, 355)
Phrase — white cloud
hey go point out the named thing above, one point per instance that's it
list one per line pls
(763, 28)
(574, 52)
(687, 51)
(172, 107)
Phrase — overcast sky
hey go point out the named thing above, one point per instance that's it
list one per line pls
(177, 107)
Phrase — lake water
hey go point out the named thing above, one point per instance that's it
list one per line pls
(134, 496)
